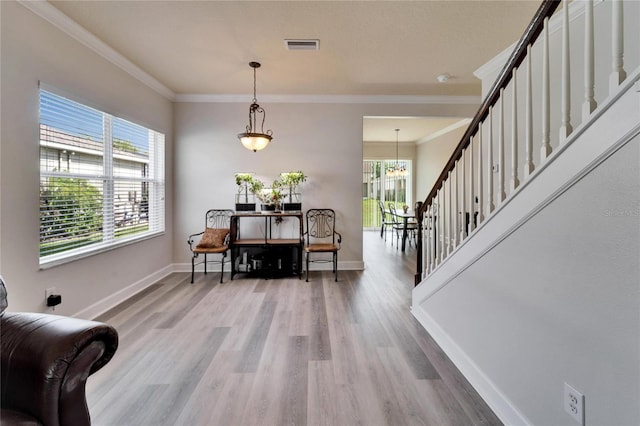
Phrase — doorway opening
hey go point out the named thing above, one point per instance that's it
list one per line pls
(378, 186)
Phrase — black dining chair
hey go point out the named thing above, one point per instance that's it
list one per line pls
(321, 237)
(386, 221)
(399, 227)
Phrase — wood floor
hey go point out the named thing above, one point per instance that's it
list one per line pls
(275, 352)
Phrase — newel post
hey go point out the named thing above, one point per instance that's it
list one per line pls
(419, 215)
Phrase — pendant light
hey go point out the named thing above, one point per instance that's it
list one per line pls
(252, 139)
(396, 170)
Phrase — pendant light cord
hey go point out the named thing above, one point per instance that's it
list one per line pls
(254, 86)
(397, 132)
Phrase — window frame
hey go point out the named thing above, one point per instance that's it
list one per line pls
(154, 182)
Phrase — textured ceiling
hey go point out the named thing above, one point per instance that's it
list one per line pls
(366, 47)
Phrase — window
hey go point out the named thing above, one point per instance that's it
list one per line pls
(378, 186)
(101, 180)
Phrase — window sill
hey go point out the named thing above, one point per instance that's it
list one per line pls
(61, 259)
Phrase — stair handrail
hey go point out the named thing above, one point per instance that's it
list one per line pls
(531, 34)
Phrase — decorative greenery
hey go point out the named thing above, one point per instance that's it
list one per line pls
(256, 187)
(274, 194)
(270, 196)
(243, 180)
(292, 180)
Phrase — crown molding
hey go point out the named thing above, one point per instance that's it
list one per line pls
(58, 19)
(333, 99)
(462, 123)
(46, 11)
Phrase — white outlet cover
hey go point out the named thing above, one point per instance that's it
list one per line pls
(574, 403)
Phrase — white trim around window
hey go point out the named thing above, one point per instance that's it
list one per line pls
(101, 181)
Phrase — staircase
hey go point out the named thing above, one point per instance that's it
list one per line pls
(528, 272)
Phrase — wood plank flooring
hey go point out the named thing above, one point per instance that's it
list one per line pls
(276, 352)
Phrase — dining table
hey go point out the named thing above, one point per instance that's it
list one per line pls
(405, 216)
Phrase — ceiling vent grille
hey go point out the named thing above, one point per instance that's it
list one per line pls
(299, 44)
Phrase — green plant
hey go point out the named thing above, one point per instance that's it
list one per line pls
(256, 187)
(244, 182)
(69, 208)
(292, 180)
(270, 196)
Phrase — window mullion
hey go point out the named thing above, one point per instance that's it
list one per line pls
(108, 225)
(101, 181)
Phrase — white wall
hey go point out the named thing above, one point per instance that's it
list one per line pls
(432, 156)
(323, 140)
(547, 291)
(32, 51)
(564, 306)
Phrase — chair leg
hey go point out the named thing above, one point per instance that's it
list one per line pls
(335, 265)
(193, 266)
(205, 263)
(306, 256)
(224, 255)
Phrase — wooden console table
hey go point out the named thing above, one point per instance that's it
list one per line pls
(266, 256)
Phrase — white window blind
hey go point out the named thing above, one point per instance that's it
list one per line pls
(101, 180)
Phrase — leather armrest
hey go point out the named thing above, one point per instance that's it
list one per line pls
(45, 362)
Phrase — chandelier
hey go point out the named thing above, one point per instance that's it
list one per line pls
(397, 170)
(252, 139)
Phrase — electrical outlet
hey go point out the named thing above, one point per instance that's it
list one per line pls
(49, 292)
(574, 403)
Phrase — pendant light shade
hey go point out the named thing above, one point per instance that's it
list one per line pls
(252, 138)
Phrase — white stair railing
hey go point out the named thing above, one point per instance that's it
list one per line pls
(465, 194)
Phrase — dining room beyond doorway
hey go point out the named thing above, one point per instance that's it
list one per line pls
(379, 186)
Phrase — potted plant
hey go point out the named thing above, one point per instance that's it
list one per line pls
(293, 198)
(245, 198)
(270, 198)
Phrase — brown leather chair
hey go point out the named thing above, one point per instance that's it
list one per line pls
(45, 362)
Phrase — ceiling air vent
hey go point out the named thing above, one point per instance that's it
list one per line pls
(302, 44)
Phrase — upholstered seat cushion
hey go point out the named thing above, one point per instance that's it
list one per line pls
(213, 238)
(220, 249)
(321, 247)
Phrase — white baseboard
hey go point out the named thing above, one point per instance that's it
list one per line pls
(500, 404)
(107, 303)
